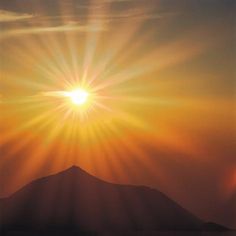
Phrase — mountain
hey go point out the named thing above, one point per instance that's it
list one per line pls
(74, 199)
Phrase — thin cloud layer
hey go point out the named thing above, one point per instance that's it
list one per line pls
(61, 28)
(97, 20)
(9, 16)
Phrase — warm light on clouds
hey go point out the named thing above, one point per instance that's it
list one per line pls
(8, 16)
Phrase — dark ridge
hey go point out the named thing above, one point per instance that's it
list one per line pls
(75, 200)
(209, 226)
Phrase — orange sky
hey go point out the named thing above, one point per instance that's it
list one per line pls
(164, 110)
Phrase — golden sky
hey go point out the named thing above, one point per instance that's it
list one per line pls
(160, 75)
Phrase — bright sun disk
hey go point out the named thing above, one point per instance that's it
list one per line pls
(78, 96)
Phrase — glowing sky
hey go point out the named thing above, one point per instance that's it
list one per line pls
(161, 78)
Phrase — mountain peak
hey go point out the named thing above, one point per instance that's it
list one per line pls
(75, 199)
(76, 173)
(73, 167)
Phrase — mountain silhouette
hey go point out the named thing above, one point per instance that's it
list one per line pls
(74, 199)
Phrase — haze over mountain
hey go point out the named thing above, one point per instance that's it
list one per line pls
(74, 199)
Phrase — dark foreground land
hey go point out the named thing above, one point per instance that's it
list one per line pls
(123, 233)
(73, 202)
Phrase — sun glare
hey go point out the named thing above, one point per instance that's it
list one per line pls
(78, 96)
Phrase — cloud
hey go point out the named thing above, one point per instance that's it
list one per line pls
(9, 16)
(128, 14)
(79, 20)
(51, 29)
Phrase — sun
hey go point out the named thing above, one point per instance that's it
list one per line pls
(78, 96)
